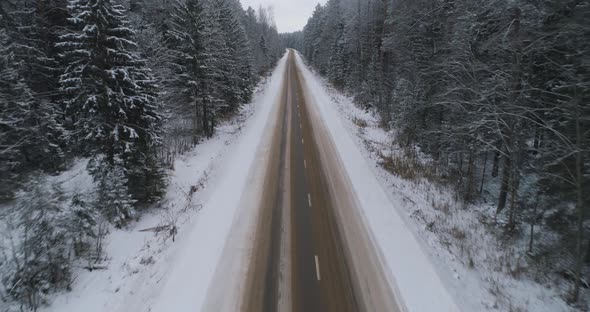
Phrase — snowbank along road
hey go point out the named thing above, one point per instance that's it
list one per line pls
(308, 209)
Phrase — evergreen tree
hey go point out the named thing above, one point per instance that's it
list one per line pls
(113, 198)
(15, 97)
(237, 79)
(265, 54)
(251, 26)
(112, 104)
(33, 134)
(187, 42)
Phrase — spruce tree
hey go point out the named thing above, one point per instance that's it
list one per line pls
(15, 97)
(31, 131)
(27, 53)
(264, 54)
(236, 80)
(189, 34)
(112, 103)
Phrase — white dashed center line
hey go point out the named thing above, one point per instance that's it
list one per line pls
(309, 199)
(317, 267)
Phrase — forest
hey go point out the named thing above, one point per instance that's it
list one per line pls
(127, 85)
(491, 98)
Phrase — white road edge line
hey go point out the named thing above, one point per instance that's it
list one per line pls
(317, 267)
(305, 163)
(309, 199)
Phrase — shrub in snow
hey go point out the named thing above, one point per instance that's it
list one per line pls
(39, 259)
(44, 233)
(81, 224)
(112, 198)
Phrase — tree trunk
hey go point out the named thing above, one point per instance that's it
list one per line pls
(483, 173)
(506, 172)
(537, 140)
(580, 211)
(205, 124)
(533, 221)
(196, 122)
(496, 164)
(513, 194)
(470, 177)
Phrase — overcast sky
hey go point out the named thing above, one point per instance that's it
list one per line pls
(290, 15)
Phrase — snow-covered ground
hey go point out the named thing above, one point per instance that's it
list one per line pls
(147, 271)
(470, 261)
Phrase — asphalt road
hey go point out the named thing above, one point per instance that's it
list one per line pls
(321, 280)
(299, 210)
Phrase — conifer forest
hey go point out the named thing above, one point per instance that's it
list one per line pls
(106, 105)
(128, 85)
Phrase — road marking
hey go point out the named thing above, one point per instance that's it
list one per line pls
(305, 164)
(300, 126)
(302, 142)
(317, 267)
(309, 199)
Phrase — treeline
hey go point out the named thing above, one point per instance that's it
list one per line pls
(292, 40)
(497, 94)
(125, 84)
